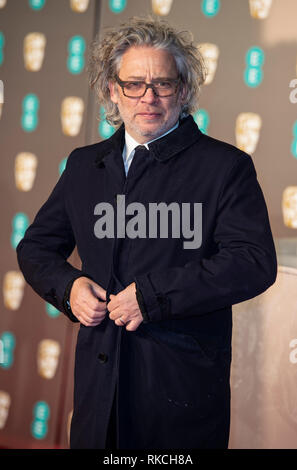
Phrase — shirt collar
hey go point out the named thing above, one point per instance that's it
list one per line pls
(131, 143)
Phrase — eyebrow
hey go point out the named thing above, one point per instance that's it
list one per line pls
(134, 77)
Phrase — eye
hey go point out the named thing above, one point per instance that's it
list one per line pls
(133, 85)
(164, 84)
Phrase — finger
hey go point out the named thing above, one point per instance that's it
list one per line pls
(98, 291)
(116, 313)
(89, 322)
(133, 325)
(93, 295)
(89, 316)
(113, 303)
(87, 299)
(121, 321)
(96, 306)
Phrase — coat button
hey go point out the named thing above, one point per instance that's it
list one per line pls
(102, 357)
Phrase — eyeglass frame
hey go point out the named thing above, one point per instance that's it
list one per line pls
(147, 85)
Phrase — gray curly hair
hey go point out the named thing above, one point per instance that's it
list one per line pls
(106, 54)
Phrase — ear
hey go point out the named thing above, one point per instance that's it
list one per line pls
(183, 93)
(113, 91)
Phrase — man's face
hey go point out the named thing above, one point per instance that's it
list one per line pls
(150, 116)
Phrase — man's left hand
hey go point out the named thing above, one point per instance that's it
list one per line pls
(124, 306)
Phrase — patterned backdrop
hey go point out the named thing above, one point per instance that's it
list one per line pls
(46, 110)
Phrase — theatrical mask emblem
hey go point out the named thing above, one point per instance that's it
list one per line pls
(39, 425)
(13, 289)
(52, 311)
(4, 407)
(289, 206)
(34, 46)
(20, 223)
(210, 54)
(30, 107)
(36, 4)
(260, 8)
(69, 418)
(8, 343)
(117, 6)
(2, 43)
(25, 170)
(80, 6)
(71, 115)
(247, 131)
(1, 97)
(161, 7)
(47, 358)
(76, 50)
(201, 117)
(294, 141)
(210, 7)
(62, 165)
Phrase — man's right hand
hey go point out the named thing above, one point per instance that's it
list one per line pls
(88, 301)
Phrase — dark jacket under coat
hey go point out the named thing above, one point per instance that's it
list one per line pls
(172, 373)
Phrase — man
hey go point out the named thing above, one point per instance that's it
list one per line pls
(154, 295)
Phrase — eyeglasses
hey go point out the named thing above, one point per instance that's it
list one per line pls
(137, 89)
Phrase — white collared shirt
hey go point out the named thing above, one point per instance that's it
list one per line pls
(131, 144)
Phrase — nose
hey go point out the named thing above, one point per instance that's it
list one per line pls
(149, 96)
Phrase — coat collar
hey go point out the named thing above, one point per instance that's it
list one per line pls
(161, 149)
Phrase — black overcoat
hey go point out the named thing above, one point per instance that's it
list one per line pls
(172, 373)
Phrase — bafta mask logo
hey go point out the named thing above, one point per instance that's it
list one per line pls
(201, 117)
(210, 54)
(76, 50)
(80, 6)
(39, 425)
(2, 42)
(259, 9)
(8, 344)
(13, 289)
(294, 141)
(105, 130)
(1, 97)
(253, 74)
(210, 7)
(71, 115)
(293, 352)
(117, 6)
(293, 93)
(62, 165)
(2, 3)
(25, 170)
(247, 131)
(4, 407)
(69, 419)
(34, 46)
(289, 206)
(36, 4)
(52, 311)
(48, 358)
(20, 223)
(30, 108)
(161, 7)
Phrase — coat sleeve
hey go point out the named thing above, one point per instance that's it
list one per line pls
(243, 266)
(48, 242)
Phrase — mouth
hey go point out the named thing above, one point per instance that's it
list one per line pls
(149, 116)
